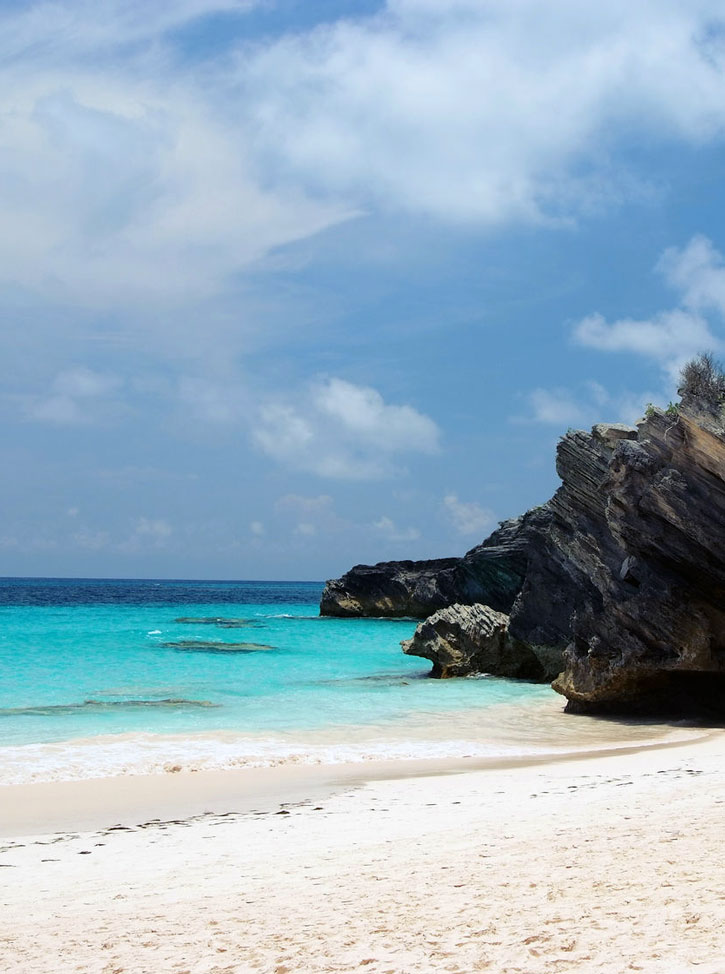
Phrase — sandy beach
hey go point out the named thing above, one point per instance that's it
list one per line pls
(607, 862)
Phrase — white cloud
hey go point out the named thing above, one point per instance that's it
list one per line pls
(467, 517)
(669, 337)
(698, 271)
(556, 406)
(341, 430)
(485, 111)
(128, 178)
(392, 532)
(133, 192)
(306, 529)
(282, 433)
(584, 405)
(673, 336)
(76, 397)
(257, 528)
(147, 533)
(123, 178)
(363, 413)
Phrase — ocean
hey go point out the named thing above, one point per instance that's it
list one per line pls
(108, 677)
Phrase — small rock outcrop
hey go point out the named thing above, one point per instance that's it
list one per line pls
(465, 639)
(390, 588)
(491, 573)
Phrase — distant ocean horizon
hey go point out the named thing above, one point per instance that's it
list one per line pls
(102, 677)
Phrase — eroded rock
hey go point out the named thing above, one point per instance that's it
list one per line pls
(622, 571)
(465, 639)
(653, 639)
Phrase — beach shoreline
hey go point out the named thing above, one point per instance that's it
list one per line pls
(608, 862)
(94, 803)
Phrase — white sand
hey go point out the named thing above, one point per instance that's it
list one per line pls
(611, 864)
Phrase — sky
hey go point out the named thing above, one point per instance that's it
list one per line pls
(287, 286)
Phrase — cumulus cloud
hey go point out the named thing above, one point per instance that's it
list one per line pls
(467, 517)
(362, 412)
(698, 271)
(672, 336)
(342, 430)
(485, 111)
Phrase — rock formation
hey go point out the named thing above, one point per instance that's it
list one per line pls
(623, 571)
(465, 639)
(491, 573)
(652, 635)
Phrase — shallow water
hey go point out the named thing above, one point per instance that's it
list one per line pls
(103, 677)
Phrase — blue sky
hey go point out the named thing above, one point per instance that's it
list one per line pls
(286, 286)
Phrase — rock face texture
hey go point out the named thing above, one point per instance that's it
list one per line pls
(464, 639)
(492, 573)
(622, 572)
(651, 636)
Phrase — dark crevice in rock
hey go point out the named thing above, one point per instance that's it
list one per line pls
(663, 693)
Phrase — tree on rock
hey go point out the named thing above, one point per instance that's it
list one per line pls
(702, 380)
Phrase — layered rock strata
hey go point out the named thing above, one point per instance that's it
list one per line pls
(464, 639)
(652, 637)
(623, 571)
(491, 573)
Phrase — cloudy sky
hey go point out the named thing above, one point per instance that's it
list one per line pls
(290, 285)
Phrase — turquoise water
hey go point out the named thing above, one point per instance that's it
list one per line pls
(100, 677)
(72, 667)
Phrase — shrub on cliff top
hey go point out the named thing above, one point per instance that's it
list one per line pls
(702, 378)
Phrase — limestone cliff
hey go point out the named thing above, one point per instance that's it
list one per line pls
(623, 571)
(652, 636)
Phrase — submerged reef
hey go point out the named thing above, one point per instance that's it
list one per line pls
(618, 581)
(213, 646)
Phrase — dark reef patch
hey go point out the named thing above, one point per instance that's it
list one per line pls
(100, 706)
(210, 646)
